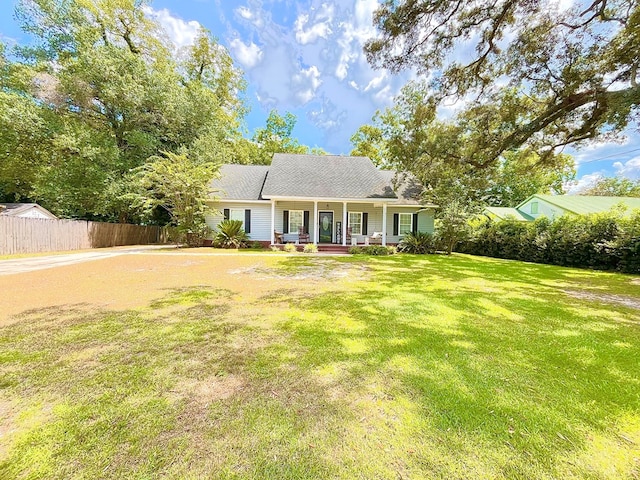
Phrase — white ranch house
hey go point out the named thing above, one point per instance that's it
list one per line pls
(322, 199)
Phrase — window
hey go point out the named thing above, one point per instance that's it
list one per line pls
(534, 207)
(355, 222)
(237, 214)
(296, 220)
(405, 223)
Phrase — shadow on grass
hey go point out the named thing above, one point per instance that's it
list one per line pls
(491, 351)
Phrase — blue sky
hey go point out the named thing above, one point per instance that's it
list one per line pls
(306, 57)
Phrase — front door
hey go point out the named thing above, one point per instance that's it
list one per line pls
(325, 227)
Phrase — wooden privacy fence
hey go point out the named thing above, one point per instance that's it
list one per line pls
(32, 235)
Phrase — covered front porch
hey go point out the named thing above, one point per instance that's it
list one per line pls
(342, 222)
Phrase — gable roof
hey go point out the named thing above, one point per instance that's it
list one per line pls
(504, 212)
(240, 182)
(325, 176)
(584, 204)
(17, 209)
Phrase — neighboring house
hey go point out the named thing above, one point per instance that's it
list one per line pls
(25, 210)
(554, 206)
(324, 196)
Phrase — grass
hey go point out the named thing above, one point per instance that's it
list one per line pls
(311, 367)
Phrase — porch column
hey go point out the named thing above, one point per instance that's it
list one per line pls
(344, 224)
(384, 224)
(316, 238)
(273, 222)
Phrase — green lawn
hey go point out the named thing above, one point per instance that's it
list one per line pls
(391, 367)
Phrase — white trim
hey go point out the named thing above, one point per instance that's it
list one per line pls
(344, 224)
(315, 218)
(273, 223)
(430, 205)
(352, 232)
(400, 232)
(384, 224)
(331, 199)
(238, 201)
(297, 230)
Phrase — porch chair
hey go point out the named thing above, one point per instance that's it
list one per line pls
(278, 237)
(303, 237)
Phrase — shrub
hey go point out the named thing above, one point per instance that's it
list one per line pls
(310, 248)
(373, 250)
(275, 248)
(290, 248)
(254, 246)
(606, 241)
(230, 235)
(418, 242)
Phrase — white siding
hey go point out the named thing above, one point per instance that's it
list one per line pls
(260, 218)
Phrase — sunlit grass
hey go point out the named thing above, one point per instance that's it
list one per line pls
(403, 367)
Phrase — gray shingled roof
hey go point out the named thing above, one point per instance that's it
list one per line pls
(314, 176)
(240, 182)
(407, 187)
(325, 176)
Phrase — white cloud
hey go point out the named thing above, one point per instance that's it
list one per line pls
(244, 12)
(320, 25)
(248, 55)
(305, 83)
(584, 182)
(629, 169)
(180, 32)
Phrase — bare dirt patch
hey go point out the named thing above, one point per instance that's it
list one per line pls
(127, 282)
(623, 300)
(210, 389)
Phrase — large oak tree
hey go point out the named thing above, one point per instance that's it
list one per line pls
(532, 75)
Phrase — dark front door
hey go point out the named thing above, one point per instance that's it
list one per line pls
(325, 227)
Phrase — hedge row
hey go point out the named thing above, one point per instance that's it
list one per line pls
(606, 241)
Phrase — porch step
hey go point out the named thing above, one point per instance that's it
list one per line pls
(333, 249)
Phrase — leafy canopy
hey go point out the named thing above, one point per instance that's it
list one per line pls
(537, 76)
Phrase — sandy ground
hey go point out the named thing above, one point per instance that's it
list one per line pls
(129, 281)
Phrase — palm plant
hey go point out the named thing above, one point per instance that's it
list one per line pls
(230, 234)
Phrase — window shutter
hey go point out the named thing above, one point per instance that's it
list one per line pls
(365, 223)
(247, 221)
(226, 213)
(285, 221)
(415, 223)
(306, 221)
(396, 223)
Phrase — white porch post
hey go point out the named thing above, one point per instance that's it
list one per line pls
(315, 222)
(344, 224)
(273, 222)
(384, 224)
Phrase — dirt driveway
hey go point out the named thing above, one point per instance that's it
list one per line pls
(39, 262)
(130, 279)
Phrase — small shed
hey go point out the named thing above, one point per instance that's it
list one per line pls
(25, 210)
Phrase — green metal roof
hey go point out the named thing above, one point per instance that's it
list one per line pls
(584, 204)
(503, 212)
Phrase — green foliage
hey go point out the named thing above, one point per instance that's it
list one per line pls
(376, 250)
(613, 187)
(100, 92)
(452, 225)
(254, 246)
(230, 234)
(178, 185)
(310, 248)
(276, 137)
(606, 241)
(444, 156)
(419, 242)
(540, 76)
(290, 248)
